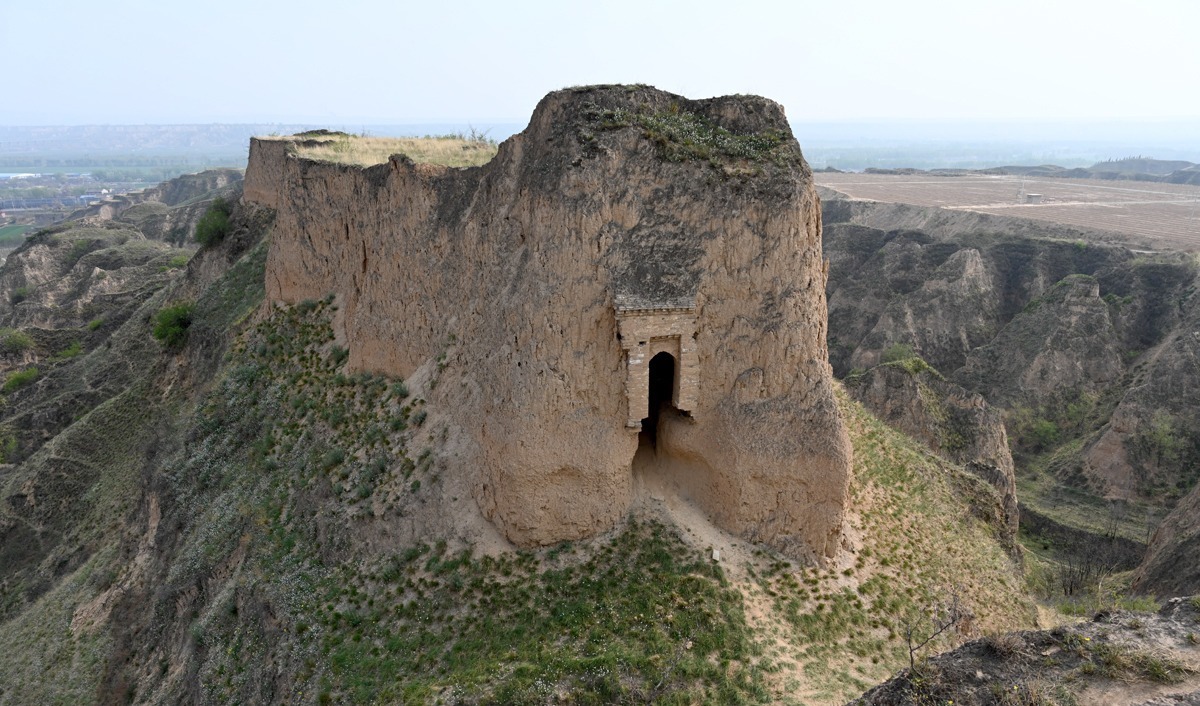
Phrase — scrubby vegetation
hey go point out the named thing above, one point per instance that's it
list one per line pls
(638, 616)
(681, 136)
(903, 356)
(75, 348)
(846, 627)
(178, 261)
(20, 378)
(213, 226)
(291, 462)
(14, 341)
(171, 325)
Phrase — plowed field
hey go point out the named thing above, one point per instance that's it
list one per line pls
(1167, 215)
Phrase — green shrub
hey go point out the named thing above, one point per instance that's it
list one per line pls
(332, 459)
(1043, 433)
(1161, 439)
(20, 378)
(179, 261)
(95, 323)
(13, 341)
(898, 352)
(75, 349)
(19, 295)
(213, 226)
(171, 325)
(855, 377)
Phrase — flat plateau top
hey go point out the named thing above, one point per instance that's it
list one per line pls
(362, 151)
(1166, 215)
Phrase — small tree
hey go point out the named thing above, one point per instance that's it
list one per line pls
(1043, 434)
(213, 226)
(922, 627)
(171, 325)
(897, 352)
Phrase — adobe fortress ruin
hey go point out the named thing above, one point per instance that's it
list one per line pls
(635, 269)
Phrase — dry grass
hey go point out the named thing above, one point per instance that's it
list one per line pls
(447, 151)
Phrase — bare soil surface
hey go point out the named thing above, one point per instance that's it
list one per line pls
(1163, 216)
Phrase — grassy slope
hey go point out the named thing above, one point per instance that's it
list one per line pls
(294, 459)
(838, 631)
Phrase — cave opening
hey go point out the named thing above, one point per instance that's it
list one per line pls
(661, 394)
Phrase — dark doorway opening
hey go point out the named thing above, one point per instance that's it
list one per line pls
(662, 392)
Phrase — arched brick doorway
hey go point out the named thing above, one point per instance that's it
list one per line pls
(661, 392)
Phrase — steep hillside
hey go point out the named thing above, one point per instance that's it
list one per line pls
(912, 397)
(1087, 350)
(86, 433)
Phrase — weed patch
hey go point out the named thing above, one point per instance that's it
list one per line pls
(20, 378)
(682, 136)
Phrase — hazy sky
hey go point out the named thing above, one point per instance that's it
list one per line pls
(127, 61)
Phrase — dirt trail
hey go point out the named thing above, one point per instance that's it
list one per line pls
(660, 491)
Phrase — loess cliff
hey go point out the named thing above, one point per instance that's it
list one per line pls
(552, 278)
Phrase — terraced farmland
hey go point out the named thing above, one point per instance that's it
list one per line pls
(1163, 216)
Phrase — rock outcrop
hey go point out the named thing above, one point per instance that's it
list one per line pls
(1170, 567)
(952, 421)
(1062, 345)
(634, 268)
(1119, 657)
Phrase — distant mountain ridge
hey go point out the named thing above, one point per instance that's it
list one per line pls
(1135, 168)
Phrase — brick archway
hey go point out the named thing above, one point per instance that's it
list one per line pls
(646, 333)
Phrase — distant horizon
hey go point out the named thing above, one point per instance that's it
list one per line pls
(1109, 129)
(853, 145)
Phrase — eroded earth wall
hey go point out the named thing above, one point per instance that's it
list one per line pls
(512, 272)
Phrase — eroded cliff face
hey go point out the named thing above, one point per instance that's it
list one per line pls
(1170, 567)
(1063, 345)
(1077, 343)
(952, 421)
(515, 274)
